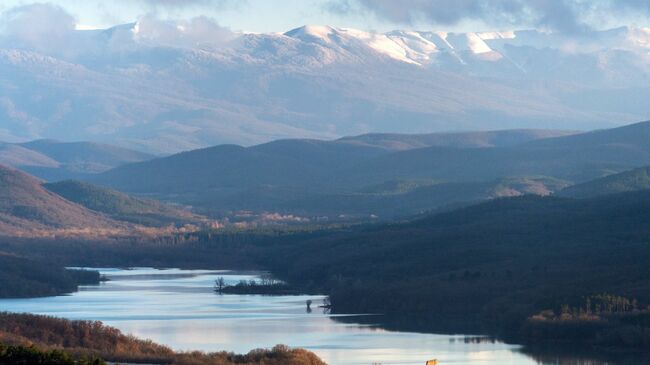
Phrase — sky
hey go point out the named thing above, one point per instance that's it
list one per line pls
(239, 15)
(373, 15)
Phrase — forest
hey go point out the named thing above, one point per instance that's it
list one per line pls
(20, 277)
(489, 268)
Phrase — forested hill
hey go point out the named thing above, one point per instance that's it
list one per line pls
(333, 178)
(633, 180)
(120, 206)
(496, 263)
(20, 277)
(27, 208)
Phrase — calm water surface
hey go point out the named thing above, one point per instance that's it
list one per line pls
(178, 308)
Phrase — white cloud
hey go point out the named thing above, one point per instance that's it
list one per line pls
(569, 16)
(196, 32)
(42, 27)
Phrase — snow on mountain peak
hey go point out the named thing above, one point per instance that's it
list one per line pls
(312, 32)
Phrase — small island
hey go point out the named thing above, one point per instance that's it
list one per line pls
(265, 286)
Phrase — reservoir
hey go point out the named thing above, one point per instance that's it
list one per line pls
(179, 308)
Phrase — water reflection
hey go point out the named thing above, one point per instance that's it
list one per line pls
(180, 309)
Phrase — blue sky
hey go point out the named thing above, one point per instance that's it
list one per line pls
(379, 15)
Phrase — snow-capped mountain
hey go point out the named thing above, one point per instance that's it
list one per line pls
(168, 88)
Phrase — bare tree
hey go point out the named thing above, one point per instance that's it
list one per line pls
(219, 284)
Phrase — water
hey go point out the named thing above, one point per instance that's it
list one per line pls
(178, 308)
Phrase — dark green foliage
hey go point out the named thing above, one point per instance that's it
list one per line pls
(27, 278)
(492, 265)
(256, 288)
(21, 355)
(634, 180)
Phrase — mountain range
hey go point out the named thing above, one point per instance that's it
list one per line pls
(370, 176)
(384, 175)
(138, 86)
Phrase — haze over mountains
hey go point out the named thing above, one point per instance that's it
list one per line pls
(385, 175)
(367, 176)
(163, 88)
(56, 160)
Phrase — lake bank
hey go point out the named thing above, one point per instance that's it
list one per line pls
(178, 308)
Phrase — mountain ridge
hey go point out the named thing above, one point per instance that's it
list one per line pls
(299, 176)
(318, 82)
(56, 160)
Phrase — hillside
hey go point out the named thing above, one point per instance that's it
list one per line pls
(634, 180)
(487, 268)
(120, 206)
(312, 177)
(493, 265)
(226, 168)
(54, 160)
(27, 207)
(394, 199)
(576, 158)
(23, 278)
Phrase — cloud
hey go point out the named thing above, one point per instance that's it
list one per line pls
(213, 4)
(50, 30)
(196, 32)
(41, 27)
(570, 16)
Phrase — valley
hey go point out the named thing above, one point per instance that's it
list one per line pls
(217, 182)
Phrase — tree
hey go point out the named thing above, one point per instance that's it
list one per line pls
(219, 284)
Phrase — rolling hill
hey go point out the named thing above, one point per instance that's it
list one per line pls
(316, 177)
(576, 158)
(504, 138)
(120, 206)
(27, 207)
(55, 160)
(633, 180)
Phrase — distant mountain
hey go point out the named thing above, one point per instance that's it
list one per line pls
(230, 168)
(54, 160)
(394, 199)
(505, 138)
(313, 177)
(120, 206)
(634, 180)
(27, 208)
(166, 92)
(576, 158)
